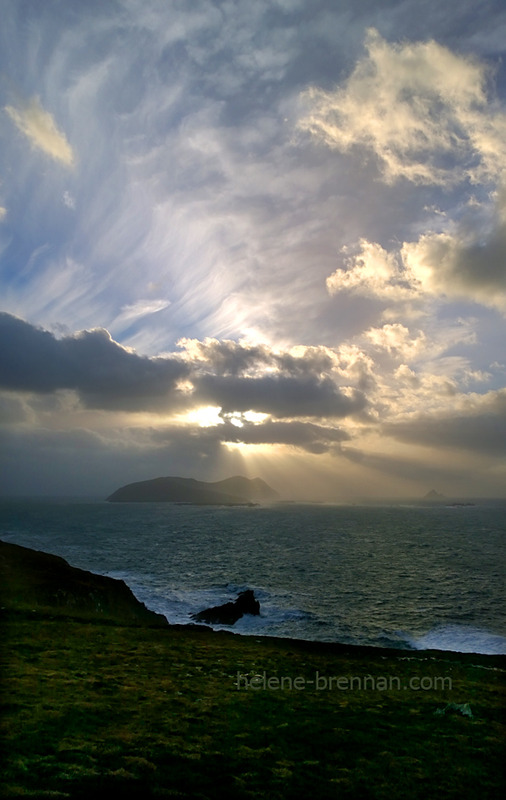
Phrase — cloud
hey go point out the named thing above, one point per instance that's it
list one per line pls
(465, 264)
(476, 423)
(12, 410)
(3, 213)
(57, 462)
(280, 395)
(40, 128)
(428, 115)
(373, 272)
(234, 377)
(419, 346)
(397, 340)
(411, 468)
(104, 374)
(69, 200)
(306, 436)
(228, 357)
(300, 382)
(42, 460)
(139, 309)
(421, 109)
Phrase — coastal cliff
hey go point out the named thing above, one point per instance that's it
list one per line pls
(145, 711)
(40, 583)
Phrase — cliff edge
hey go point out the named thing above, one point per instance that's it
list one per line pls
(36, 582)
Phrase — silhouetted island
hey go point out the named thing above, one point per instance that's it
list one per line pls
(234, 491)
(433, 495)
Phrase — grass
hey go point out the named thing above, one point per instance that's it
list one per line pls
(90, 709)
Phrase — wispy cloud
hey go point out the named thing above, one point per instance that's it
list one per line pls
(141, 308)
(40, 128)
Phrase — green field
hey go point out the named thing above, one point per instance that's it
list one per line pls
(93, 710)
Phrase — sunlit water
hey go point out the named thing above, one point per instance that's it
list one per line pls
(395, 576)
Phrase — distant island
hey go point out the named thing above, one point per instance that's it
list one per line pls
(234, 491)
(433, 495)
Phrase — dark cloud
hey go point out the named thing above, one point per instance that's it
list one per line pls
(12, 410)
(482, 264)
(103, 373)
(481, 429)
(306, 435)
(280, 395)
(106, 375)
(227, 357)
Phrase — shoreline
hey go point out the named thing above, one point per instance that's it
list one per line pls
(345, 649)
(55, 588)
(493, 661)
(100, 703)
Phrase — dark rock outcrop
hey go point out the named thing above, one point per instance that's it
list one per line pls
(229, 613)
(231, 491)
(36, 582)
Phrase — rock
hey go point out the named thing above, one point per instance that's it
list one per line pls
(229, 613)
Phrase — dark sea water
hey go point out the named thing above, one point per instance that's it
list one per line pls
(394, 576)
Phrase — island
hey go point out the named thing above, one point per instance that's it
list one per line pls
(235, 491)
(434, 496)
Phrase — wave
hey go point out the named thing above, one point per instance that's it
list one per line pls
(278, 615)
(460, 639)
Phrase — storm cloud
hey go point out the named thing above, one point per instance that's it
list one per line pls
(102, 372)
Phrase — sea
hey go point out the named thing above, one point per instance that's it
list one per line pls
(409, 576)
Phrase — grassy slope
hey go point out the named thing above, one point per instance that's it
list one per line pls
(91, 709)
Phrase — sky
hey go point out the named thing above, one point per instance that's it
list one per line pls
(265, 239)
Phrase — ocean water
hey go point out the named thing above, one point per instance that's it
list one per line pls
(385, 575)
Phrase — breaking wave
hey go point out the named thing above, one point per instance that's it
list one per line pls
(460, 639)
